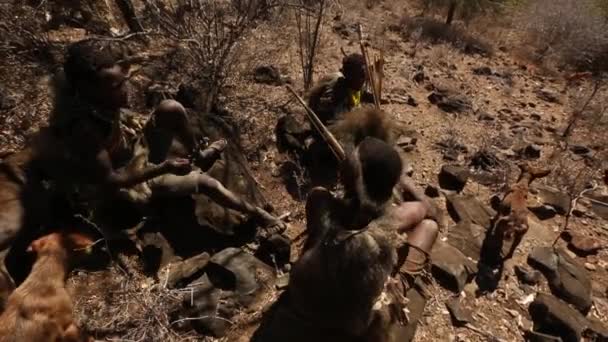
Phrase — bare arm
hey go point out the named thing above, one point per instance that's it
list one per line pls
(125, 178)
(97, 164)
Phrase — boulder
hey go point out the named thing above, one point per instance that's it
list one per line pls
(233, 282)
(567, 279)
(460, 314)
(554, 317)
(452, 269)
(453, 177)
(580, 149)
(468, 208)
(531, 151)
(483, 71)
(432, 191)
(468, 238)
(555, 198)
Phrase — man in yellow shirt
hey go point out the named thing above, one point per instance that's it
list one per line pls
(341, 92)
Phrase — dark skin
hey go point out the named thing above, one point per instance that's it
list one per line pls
(173, 161)
(415, 217)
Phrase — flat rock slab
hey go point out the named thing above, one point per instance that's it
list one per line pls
(452, 269)
(555, 198)
(555, 317)
(453, 177)
(567, 278)
(233, 282)
(468, 238)
(468, 208)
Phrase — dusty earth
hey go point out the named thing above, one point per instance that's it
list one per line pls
(506, 112)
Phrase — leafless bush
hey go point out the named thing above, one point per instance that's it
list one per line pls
(437, 32)
(571, 32)
(309, 18)
(212, 31)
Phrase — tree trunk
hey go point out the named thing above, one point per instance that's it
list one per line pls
(451, 11)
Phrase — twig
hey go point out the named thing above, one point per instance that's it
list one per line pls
(483, 333)
(202, 317)
(572, 207)
(122, 37)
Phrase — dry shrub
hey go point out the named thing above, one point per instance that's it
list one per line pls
(569, 32)
(211, 32)
(437, 32)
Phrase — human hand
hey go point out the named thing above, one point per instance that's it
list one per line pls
(178, 166)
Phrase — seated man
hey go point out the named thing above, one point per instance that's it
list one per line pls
(92, 147)
(353, 247)
(341, 92)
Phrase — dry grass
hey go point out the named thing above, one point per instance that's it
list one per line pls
(114, 306)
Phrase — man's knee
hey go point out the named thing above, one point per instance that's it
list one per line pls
(170, 114)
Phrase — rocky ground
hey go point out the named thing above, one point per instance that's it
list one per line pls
(470, 119)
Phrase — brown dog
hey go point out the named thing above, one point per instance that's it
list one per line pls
(40, 309)
(511, 221)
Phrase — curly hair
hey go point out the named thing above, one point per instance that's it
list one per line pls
(84, 59)
(353, 63)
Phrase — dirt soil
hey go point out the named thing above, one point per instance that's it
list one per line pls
(519, 116)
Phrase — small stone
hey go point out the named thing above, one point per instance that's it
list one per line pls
(549, 95)
(419, 77)
(450, 267)
(460, 315)
(485, 116)
(483, 71)
(450, 102)
(535, 117)
(590, 267)
(282, 281)
(580, 149)
(527, 276)
(584, 245)
(431, 191)
(532, 151)
(412, 101)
